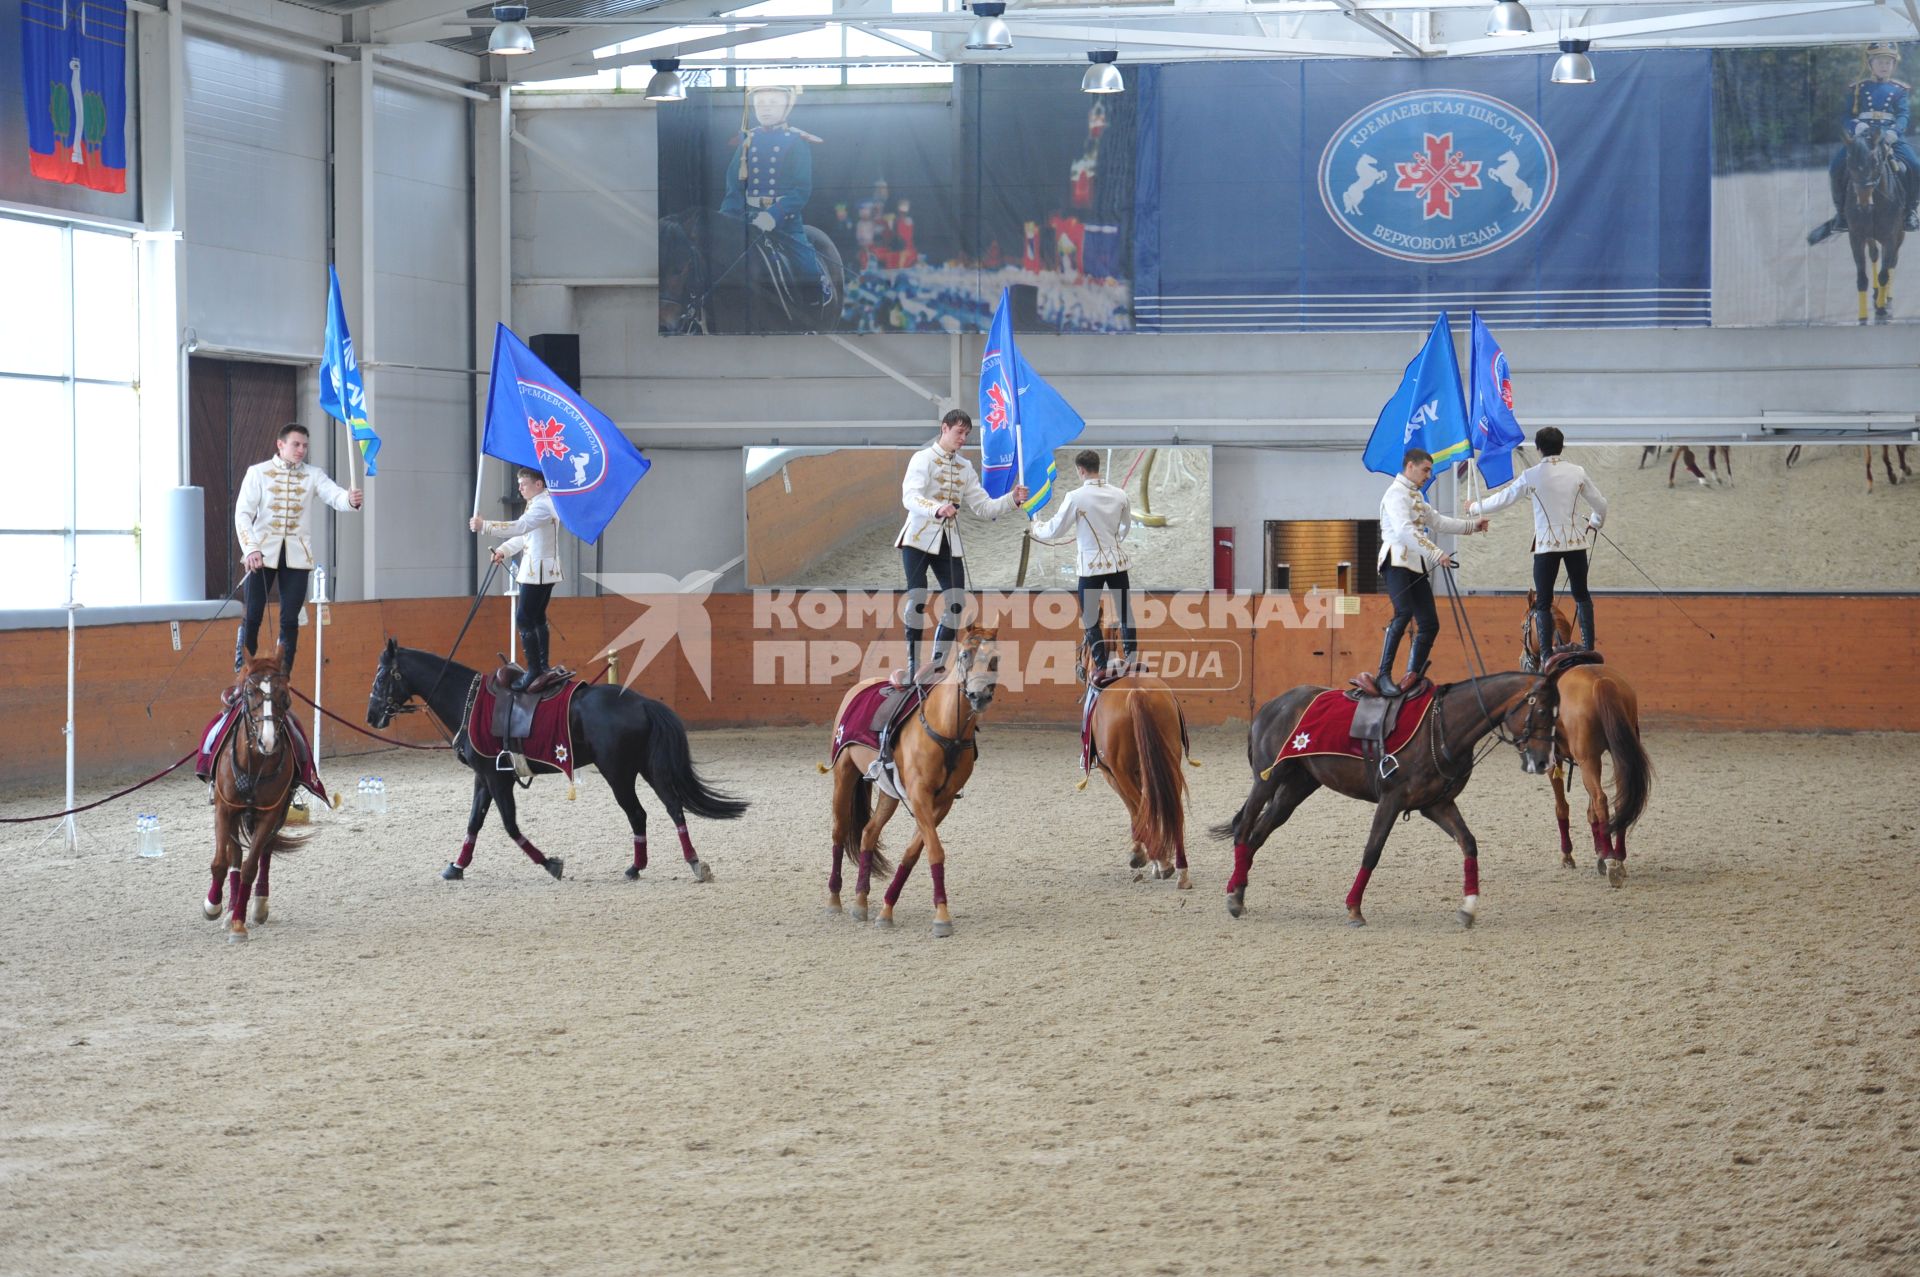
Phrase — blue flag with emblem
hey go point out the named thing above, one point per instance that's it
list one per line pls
(1022, 418)
(1428, 411)
(534, 420)
(1496, 431)
(342, 395)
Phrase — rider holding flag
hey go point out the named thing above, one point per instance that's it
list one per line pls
(1878, 104)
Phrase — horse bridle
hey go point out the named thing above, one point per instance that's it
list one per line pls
(968, 739)
(1436, 738)
(245, 779)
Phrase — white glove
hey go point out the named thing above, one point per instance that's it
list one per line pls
(1860, 128)
(763, 220)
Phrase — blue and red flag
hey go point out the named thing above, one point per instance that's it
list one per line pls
(1495, 430)
(1022, 418)
(534, 420)
(1428, 411)
(73, 76)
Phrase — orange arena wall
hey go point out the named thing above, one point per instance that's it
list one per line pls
(1778, 663)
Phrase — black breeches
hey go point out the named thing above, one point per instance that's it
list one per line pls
(950, 572)
(1089, 589)
(532, 609)
(293, 597)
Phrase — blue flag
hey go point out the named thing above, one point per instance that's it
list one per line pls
(1022, 418)
(1428, 411)
(342, 396)
(1496, 432)
(534, 420)
(73, 63)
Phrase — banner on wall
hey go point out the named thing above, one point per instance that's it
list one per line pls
(74, 86)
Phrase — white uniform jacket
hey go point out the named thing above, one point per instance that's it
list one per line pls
(1100, 516)
(1408, 525)
(936, 477)
(537, 533)
(1557, 484)
(275, 510)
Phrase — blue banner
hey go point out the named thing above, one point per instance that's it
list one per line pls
(1428, 410)
(74, 89)
(1496, 431)
(1022, 418)
(534, 420)
(342, 395)
(1367, 195)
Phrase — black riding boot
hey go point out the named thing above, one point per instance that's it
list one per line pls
(240, 649)
(289, 648)
(1096, 645)
(1417, 658)
(1583, 612)
(1384, 678)
(1540, 624)
(536, 657)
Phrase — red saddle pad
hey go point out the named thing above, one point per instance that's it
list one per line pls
(1326, 726)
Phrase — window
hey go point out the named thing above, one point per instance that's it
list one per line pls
(69, 362)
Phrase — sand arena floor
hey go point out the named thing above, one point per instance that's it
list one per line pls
(1714, 1070)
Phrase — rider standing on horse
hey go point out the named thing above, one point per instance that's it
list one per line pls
(938, 479)
(537, 532)
(274, 520)
(1407, 554)
(1100, 516)
(1878, 104)
(1556, 484)
(770, 180)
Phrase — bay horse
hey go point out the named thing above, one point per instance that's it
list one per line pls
(1434, 767)
(616, 730)
(1139, 740)
(719, 274)
(1876, 221)
(254, 776)
(1599, 714)
(933, 754)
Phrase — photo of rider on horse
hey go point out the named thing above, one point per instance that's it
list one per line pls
(1877, 113)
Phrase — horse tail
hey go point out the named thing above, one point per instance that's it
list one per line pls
(285, 841)
(670, 770)
(1632, 769)
(1157, 822)
(862, 813)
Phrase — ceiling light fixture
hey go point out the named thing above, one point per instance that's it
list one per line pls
(511, 37)
(665, 85)
(1103, 76)
(989, 29)
(1509, 17)
(1573, 66)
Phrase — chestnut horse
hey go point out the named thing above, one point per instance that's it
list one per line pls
(254, 777)
(1599, 714)
(1139, 741)
(933, 754)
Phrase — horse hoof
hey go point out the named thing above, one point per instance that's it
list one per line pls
(700, 871)
(237, 937)
(1237, 902)
(259, 910)
(858, 913)
(1186, 883)
(1139, 860)
(453, 872)
(1567, 861)
(554, 865)
(883, 922)
(1616, 873)
(211, 908)
(633, 873)
(1600, 865)
(1466, 919)
(833, 912)
(941, 930)
(1355, 918)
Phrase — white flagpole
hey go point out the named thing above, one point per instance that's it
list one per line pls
(319, 601)
(67, 827)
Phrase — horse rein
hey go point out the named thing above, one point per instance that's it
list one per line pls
(246, 781)
(968, 738)
(1437, 747)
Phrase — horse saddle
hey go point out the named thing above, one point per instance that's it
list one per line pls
(1567, 658)
(892, 711)
(513, 711)
(1375, 715)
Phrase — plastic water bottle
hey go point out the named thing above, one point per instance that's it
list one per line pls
(148, 826)
(363, 796)
(380, 795)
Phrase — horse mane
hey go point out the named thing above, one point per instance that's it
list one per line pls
(257, 665)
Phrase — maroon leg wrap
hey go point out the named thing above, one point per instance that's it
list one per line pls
(1566, 836)
(640, 851)
(1242, 866)
(1601, 846)
(1620, 844)
(466, 852)
(833, 879)
(1472, 886)
(899, 881)
(236, 898)
(213, 889)
(865, 883)
(686, 844)
(1359, 888)
(939, 873)
(260, 879)
(533, 853)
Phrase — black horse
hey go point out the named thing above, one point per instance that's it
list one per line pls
(719, 274)
(1876, 220)
(617, 730)
(1432, 769)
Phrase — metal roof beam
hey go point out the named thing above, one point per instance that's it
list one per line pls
(1652, 26)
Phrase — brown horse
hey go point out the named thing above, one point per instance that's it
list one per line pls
(1139, 740)
(933, 755)
(1599, 714)
(254, 777)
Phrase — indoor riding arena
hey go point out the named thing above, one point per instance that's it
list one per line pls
(676, 637)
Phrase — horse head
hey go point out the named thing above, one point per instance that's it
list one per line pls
(681, 277)
(390, 692)
(1528, 714)
(1870, 168)
(262, 696)
(977, 666)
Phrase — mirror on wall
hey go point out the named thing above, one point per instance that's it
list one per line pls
(1770, 516)
(827, 517)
